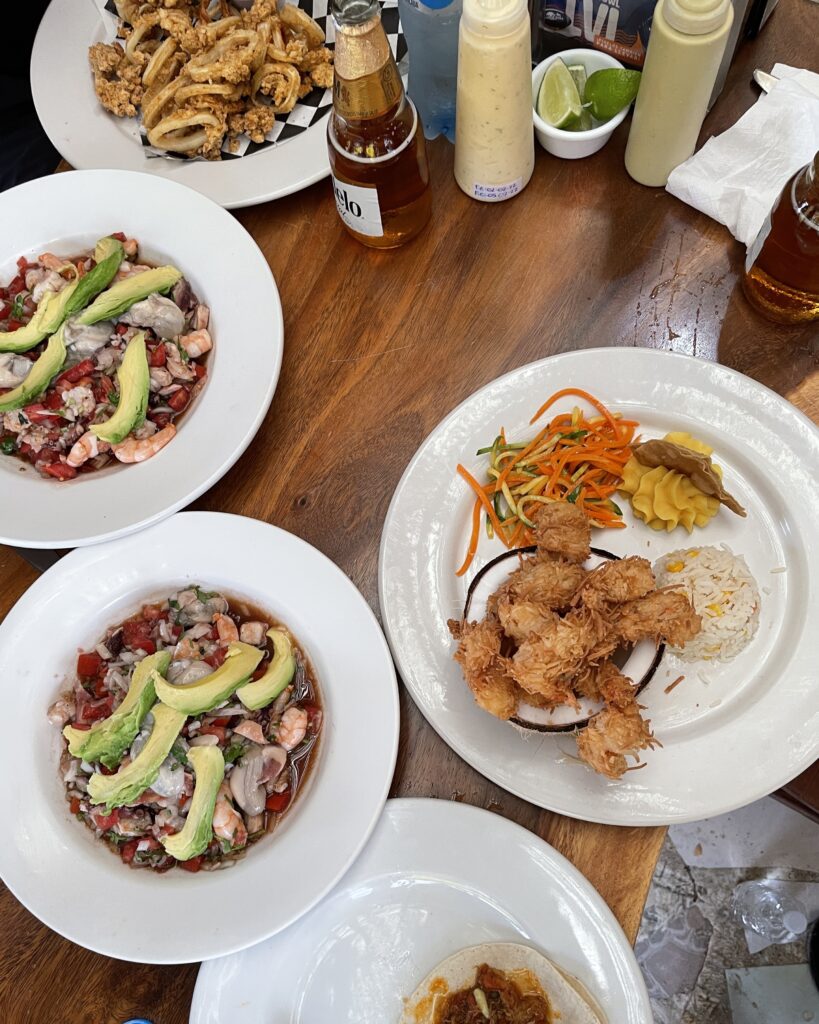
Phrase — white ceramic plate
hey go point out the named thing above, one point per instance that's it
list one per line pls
(67, 213)
(731, 732)
(435, 877)
(88, 136)
(70, 880)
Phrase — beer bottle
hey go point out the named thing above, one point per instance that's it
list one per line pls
(377, 155)
(782, 268)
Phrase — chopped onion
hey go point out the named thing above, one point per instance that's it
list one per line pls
(103, 652)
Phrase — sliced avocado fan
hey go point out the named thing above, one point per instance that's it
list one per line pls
(107, 741)
(279, 672)
(197, 832)
(240, 662)
(56, 307)
(132, 780)
(122, 295)
(134, 378)
(42, 372)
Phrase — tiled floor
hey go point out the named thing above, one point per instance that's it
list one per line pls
(696, 959)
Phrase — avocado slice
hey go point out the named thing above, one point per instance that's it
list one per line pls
(279, 672)
(127, 784)
(42, 372)
(56, 307)
(134, 378)
(194, 698)
(108, 740)
(197, 832)
(122, 295)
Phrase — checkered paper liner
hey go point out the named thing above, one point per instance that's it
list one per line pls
(309, 110)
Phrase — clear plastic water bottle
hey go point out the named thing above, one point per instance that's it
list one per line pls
(774, 915)
(431, 29)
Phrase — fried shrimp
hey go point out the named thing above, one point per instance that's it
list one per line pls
(611, 736)
(663, 615)
(486, 671)
(562, 531)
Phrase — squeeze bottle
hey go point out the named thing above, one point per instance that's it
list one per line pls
(685, 49)
(494, 132)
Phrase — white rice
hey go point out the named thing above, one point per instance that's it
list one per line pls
(723, 592)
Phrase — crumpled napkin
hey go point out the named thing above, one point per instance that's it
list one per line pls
(736, 177)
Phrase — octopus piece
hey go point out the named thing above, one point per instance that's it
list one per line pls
(546, 663)
(664, 615)
(550, 584)
(562, 531)
(615, 582)
(613, 734)
(486, 671)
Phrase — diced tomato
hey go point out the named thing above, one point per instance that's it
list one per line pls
(39, 413)
(89, 710)
(60, 471)
(119, 235)
(200, 371)
(88, 664)
(216, 659)
(4, 293)
(105, 821)
(159, 356)
(179, 399)
(23, 265)
(161, 419)
(107, 771)
(277, 802)
(183, 799)
(221, 720)
(17, 285)
(102, 387)
(194, 864)
(15, 325)
(53, 400)
(128, 851)
(313, 717)
(176, 632)
(45, 457)
(151, 612)
(121, 329)
(75, 373)
(213, 730)
(75, 805)
(100, 689)
(5, 311)
(260, 671)
(136, 634)
(82, 726)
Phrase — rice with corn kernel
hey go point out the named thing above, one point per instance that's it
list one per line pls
(723, 592)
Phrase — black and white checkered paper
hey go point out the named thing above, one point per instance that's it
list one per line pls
(309, 110)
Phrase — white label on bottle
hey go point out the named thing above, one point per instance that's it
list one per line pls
(756, 246)
(358, 208)
(496, 193)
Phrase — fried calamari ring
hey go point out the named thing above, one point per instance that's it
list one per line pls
(183, 131)
(300, 21)
(156, 67)
(281, 82)
(154, 103)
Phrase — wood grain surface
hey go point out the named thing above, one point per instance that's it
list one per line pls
(379, 346)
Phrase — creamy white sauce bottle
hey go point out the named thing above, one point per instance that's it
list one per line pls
(494, 134)
(685, 49)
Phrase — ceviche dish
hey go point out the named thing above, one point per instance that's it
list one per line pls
(189, 731)
(100, 353)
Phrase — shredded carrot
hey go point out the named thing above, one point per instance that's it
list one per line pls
(575, 457)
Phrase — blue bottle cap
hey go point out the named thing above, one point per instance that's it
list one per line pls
(436, 5)
(137, 1020)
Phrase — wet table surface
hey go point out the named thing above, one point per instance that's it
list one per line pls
(379, 346)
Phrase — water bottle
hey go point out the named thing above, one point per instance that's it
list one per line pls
(775, 916)
(431, 30)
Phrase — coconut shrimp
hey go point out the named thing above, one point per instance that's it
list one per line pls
(227, 822)
(197, 343)
(132, 450)
(88, 447)
(292, 728)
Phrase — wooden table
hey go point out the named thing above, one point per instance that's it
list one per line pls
(379, 346)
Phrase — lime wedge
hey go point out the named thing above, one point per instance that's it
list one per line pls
(558, 101)
(583, 123)
(610, 90)
(578, 73)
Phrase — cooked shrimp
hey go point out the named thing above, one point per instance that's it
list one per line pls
(197, 343)
(132, 450)
(52, 262)
(131, 247)
(179, 369)
(226, 628)
(88, 447)
(292, 728)
(227, 822)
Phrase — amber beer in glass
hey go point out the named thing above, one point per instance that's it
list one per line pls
(377, 155)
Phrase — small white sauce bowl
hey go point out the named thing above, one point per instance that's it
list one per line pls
(574, 145)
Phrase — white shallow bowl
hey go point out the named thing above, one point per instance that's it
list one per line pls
(574, 145)
(67, 213)
(730, 732)
(435, 878)
(70, 880)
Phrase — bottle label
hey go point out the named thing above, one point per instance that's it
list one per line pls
(358, 207)
(497, 193)
(755, 248)
(358, 99)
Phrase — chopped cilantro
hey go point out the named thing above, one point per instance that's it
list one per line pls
(204, 595)
(178, 752)
(113, 397)
(7, 445)
(234, 752)
(17, 306)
